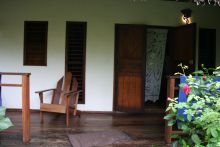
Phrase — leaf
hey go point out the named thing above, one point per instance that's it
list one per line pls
(214, 132)
(218, 67)
(174, 110)
(174, 136)
(185, 128)
(189, 117)
(213, 140)
(190, 97)
(169, 116)
(183, 143)
(178, 73)
(175, 144)
(198, 145)
(181, 85)
(2, 112)
(171, 122)
(181, 118)
(208, 131)
(5, 123)
(195, 138)
(199, 72)
(168, 108)
(202, 65)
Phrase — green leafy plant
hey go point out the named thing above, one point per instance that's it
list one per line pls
(5, 122)
(201, 124)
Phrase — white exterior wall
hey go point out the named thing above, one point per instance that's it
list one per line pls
(101, 17)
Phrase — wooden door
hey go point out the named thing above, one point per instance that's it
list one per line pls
(181, 47)
(129, 68)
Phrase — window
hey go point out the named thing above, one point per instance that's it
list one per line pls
(75, 53)
(35, 43)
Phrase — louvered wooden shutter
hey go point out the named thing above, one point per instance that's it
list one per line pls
(75, 53)
(35, 43)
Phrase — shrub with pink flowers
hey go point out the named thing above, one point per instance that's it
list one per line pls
(200, 121)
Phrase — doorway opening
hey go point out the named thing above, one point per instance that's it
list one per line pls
(144, 57)
(156, 42)
(207, 47)
(177, 46)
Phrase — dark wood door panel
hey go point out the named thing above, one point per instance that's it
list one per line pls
(129, 67)
(131, 40)
(129, 92)
(182, 47)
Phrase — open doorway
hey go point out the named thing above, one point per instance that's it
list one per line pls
(168, 47)
(207, 47)
(156, 42)
(144, 57)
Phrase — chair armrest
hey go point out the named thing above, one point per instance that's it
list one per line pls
(72, 92)
(41, 91)
(68, 96)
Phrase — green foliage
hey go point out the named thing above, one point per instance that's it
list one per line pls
(4, 121)
(202, 108)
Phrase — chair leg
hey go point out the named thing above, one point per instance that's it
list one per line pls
(41, 117)
(67, 118)
(76, 112)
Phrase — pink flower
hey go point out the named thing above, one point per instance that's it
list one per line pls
(186, 89)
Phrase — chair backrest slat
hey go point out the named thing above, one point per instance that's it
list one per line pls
(74, 88)
(57, 92)
(66, 87)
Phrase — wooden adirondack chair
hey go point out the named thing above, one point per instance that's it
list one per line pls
(64, 100)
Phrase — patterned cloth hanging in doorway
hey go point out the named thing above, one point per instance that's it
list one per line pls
(156, 45)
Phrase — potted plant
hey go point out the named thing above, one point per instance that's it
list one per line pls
(200, 117)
